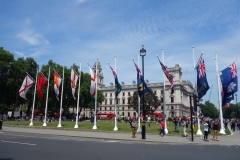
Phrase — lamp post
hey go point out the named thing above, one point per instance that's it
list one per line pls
(143, 53)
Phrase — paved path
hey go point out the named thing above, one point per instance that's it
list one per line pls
(233, 139)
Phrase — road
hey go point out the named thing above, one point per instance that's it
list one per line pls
(25, 146)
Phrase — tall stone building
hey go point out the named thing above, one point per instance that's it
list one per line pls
(176, 105)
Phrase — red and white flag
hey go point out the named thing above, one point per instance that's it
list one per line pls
(93, 82)
(73, 81)
(27, 83)
(40, 84)
(56, 82)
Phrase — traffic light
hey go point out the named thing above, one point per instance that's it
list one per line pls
(196, 102)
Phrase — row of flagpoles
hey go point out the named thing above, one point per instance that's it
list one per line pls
(226, 87)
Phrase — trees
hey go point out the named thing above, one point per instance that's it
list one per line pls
(17, 68)
(151, 101)
(209, 110)
(230, 112)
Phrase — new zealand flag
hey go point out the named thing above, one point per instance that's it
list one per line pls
(142, 86)
(229, 84)
(202, 84)
(118, 87)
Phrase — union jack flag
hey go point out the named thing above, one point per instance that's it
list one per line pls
(168, 75)
(201, 67)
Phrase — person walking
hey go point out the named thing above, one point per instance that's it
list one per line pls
(133, 126)
(176, 123)
(162, 128)
(148, 121)
(184, 125)
(215, 127)
(206, 130)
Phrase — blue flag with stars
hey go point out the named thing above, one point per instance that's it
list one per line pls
(229, 83)
(142, 86)
(202, 84)
(118, 87)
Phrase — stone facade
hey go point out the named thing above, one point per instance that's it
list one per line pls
(176, 105)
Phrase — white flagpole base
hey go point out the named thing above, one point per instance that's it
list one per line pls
(76, 126)
(139, 129)
(222, 131)
(31, 124)
(199, 132)
(166, 131)
(115, 128)
(94, 127)
(44, 124)
(59, 125)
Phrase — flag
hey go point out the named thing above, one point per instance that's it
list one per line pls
(93, 82)
(26, 85)
(40, 84)
(229, 83)
(226, 100)
(142, 86)
(202, 84)
(73, 81)
(118, 87)
(168, 75)
(56, 82)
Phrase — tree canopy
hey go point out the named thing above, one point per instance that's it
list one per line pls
(18, 69)
(151, 100)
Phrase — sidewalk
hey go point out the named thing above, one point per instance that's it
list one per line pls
(233, 139)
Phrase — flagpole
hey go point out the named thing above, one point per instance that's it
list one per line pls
(31, 123)
(60, 115)
(199, 132)
(164, 99)
(115, 127)
(222, 130)
(139, 115)
(76, 125)
(45, 124)
(95, 115)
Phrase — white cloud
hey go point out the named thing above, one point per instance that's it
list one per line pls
(32, 37)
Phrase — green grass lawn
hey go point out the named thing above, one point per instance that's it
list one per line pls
(103, 125)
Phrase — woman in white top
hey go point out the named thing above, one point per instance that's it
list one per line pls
(206, 129)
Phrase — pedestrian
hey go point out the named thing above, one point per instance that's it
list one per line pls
(148, 121)
(92, 119)
(184, 124)
(215, 127)
(176, 123)
(133, 126)
(206, 130)
(162, 128)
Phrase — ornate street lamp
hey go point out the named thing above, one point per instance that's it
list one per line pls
(143, 53)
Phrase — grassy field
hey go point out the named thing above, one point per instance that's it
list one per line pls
(104, 126)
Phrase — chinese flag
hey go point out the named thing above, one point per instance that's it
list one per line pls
(40, 84)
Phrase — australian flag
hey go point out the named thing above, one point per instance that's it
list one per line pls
(202, 84)
(118, 87)
(168, 75)
(142, 86)
(229, 84)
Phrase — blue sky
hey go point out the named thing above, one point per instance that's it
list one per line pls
(74, 31)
